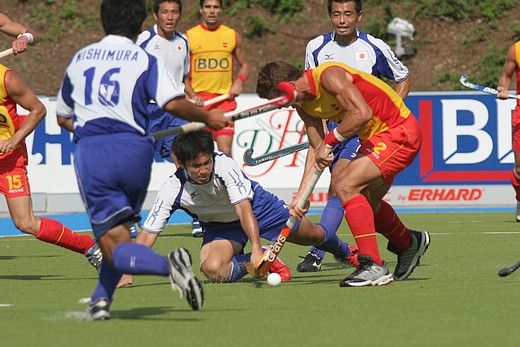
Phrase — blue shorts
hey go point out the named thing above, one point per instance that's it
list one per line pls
(271, 214)
(162, 120)
(344, 150)
(113, 173)
(233, 232)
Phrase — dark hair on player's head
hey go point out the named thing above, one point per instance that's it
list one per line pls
(158, 3)
(189, 146)
(203, 1)
(123, 18)
(359, 4)
(272, 74)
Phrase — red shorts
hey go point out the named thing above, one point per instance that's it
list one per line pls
(226, 105)
(395, 149)
(515, 125)
(14, 181)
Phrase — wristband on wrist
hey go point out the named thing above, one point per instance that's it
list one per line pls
(29, 36)
(242, 78)
(333, 138)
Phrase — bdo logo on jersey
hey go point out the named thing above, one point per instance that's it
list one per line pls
(212, 64)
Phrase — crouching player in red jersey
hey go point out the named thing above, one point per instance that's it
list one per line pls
(232, 209)
(14, 183)
(390, 140)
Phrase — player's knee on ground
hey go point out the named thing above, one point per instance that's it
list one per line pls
(214, 270)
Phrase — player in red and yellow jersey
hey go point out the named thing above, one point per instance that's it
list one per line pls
(214, 48)
(390, 139)
(14, 183)
(511, 66)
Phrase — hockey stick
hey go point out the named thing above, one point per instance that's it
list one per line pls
(214, 100)
(250, 161)
(509, 270)
(266, 261)
(6, 53)
(272, 104)
(464, 81)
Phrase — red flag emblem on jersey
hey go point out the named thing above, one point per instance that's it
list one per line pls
(224, 44)
(361, 56)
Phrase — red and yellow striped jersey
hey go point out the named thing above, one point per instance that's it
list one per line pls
(387, 106)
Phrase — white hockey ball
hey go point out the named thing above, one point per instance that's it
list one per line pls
(274, 279)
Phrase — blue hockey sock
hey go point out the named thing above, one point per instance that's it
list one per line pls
(333, 244)
(331, 218)
(135, 259)
(238, 267)
(108, 279)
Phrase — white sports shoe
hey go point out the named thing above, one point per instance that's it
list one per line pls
(518, 211)
(183, 280)
(368, 274)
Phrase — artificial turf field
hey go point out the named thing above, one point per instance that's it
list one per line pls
(454, 298)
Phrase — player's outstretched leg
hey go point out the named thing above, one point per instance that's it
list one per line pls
(183, 280)
(331, 217)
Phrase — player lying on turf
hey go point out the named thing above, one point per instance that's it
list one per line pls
(232, 210)
(390, 139)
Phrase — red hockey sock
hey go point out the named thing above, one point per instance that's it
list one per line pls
(515, 181)
(360, 218)
(54, 232)
(388, 224)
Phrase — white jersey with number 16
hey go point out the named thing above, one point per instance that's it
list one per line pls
(108, 84)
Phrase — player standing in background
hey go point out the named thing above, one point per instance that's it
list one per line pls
(390, 139)
(214, 48)
(103, 100)
(233, 210)
(511, 66)
(14, 181)
(24, 35)
(346, 44)
(164, 41)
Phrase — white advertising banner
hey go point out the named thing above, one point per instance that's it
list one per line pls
(466, 158)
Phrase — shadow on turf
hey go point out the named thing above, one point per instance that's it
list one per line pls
(151, 313)
(27, 277)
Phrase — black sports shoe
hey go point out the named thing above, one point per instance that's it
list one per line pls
(408, 257)
(310, 263)
(183, 280)
(393, 249)
(100, 309)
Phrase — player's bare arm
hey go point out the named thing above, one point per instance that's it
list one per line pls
(188, 90)
(249, 224)
(23, 96)
(504, 82)
(338, 83)
(403, 88)
(24, 36)
(240, 56)
(184, 109)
